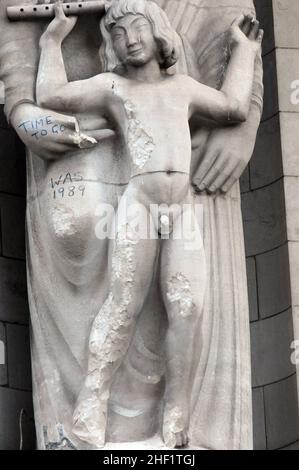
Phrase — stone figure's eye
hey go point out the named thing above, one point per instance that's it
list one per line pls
(117, 35)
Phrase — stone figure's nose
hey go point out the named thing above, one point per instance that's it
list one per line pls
(131, 38)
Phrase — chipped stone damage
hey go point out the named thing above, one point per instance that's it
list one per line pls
(63, 442)
(81, 139)
(109, 341)
(84, 141)
(173, 424)
(140, 144)
(179, 291)
(63, 221)
(115, 315)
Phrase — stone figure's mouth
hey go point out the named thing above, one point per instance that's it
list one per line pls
(135, 51)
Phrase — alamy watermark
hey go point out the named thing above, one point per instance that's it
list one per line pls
(157, 221)
(295, 353)
(2, 353)
(295, 92)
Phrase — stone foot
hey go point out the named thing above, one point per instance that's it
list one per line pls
(90, 418)
(175, 427)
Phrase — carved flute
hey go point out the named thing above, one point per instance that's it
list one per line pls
(32, 12)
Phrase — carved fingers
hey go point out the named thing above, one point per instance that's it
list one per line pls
(222, 174)
(252, 29)
(223, 162)
(239, 21)
(233, 178)
(207, 165)
(260, 36)
(246, 29)
(230, 172)
(245, 24)
(61, 26)
(60, 15)
(215, 174)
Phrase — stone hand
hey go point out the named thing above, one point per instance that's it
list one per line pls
(60, 27)
(46, 133)
(226, 155)
(245, 30)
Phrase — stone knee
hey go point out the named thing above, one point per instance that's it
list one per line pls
(183, 301)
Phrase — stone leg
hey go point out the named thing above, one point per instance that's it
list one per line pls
(131, 272)
(183, 281)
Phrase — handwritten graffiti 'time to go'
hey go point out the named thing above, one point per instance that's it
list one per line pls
(42, 127)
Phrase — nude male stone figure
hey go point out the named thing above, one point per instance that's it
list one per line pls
(151, 110)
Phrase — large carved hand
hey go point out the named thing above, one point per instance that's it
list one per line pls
(226, 154)
(46, 133)
(51, 135)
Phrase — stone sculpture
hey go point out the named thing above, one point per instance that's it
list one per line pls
(98, 332)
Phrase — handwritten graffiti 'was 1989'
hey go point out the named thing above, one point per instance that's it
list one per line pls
(65, 185)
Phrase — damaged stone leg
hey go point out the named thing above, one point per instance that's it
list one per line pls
(108, 344)
(111, 335)
(182, 315)
(179, 292)
(183, 281)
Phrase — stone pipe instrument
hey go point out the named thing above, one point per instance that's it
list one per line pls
(32, 12)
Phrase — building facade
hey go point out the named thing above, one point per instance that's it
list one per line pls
(271, 223)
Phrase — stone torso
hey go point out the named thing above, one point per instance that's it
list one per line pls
(153, 118)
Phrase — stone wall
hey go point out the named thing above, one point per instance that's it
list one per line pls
(270, 234)
(15, 377)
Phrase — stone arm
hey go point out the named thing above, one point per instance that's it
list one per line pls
(53, 89)
(231, 104)
(221, 156)
(224, 153)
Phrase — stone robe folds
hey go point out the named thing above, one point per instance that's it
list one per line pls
(67, 263)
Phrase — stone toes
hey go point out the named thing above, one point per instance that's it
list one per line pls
(185, 438)
(182, 439)
(179, 440)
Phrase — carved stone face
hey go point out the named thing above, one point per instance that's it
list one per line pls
(133, 40)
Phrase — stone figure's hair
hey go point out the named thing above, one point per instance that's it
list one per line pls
(166, 37)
